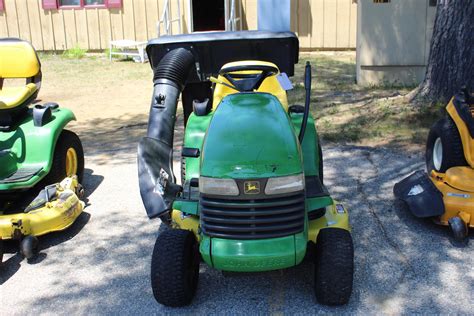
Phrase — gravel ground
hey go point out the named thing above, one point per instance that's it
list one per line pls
(101, 264)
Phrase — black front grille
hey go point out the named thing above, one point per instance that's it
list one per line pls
(252, 219)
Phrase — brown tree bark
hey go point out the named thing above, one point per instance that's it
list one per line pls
(450, 63)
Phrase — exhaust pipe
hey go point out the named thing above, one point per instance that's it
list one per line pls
(155, 152)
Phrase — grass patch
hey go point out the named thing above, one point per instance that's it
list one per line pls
(75, 52)
(344, 111)
(348, 113)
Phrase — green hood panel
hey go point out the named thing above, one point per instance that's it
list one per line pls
(254, 255)
(29, 146)
(250, 136)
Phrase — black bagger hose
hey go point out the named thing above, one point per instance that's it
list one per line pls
(155, 152)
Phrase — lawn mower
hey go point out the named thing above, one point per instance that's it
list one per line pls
(252, 196)
(41, 163)
(446, 192)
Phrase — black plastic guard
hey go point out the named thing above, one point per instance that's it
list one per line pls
(420, 194)
(211, 50)
(155, 176)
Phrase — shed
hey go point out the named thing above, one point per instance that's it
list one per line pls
(393, 40)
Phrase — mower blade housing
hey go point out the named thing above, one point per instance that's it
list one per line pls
(420, 194)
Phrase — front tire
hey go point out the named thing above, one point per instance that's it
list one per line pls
(334, 266)
(444, 147)
(29, 247)
(458, 228)
(175, 268)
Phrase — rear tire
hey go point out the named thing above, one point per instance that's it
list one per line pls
(444, 147)
(175, 268)
(67, 140)
(334, 266)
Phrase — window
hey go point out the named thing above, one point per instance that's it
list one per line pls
(81, 3)
(75, 4)
(2, 6)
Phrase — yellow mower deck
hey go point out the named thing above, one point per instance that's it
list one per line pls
(56, 215)
(457, 188)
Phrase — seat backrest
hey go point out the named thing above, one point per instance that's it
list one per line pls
(18, 59)
(269, 85)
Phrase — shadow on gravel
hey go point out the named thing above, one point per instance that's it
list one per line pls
(12, 265)
(402, 265)
(9, 267)
(91, 183)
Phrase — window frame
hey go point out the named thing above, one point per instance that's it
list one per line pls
(82, 5)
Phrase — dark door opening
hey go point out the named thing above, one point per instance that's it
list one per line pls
(208, 15)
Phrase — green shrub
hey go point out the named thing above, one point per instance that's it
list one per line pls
(75, 52)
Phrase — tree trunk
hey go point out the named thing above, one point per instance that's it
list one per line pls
(450, 63)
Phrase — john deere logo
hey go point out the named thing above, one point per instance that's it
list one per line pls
(251, 187)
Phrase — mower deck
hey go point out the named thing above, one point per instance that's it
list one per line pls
(458, 194)
(56, 213)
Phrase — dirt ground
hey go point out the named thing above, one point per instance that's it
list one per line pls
(111, 102)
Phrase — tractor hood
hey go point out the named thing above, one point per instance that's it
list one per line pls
(250, 136)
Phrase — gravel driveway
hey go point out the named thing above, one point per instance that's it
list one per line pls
(101, 264)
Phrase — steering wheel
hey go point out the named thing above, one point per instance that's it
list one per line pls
(248, 82)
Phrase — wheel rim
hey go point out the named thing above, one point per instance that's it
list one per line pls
(438, 154)
(71, 162)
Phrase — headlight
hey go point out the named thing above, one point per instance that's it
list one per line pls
(287, 184)
(215, 186)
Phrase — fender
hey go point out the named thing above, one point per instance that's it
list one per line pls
(458, 110)
(31, 147)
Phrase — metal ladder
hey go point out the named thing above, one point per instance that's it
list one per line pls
(167, 19)
(230, 17)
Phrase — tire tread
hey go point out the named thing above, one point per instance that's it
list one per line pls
(453, 152)
(168, 268)
(334, 266)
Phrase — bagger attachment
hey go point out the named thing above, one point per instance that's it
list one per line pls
(155, 152)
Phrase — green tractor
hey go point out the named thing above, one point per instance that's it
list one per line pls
(252, 196)
(41, 163)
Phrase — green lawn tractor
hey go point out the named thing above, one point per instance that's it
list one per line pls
(252, 196)
(41, 163)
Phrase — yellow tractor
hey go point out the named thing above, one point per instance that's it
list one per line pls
(446, 191)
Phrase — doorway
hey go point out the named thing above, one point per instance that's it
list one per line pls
(208, 15)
